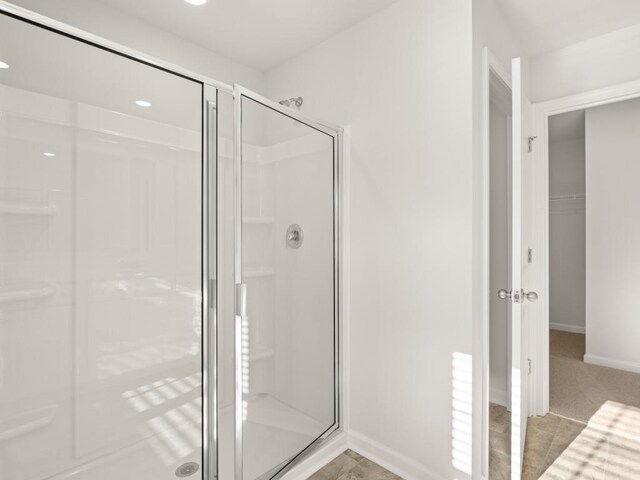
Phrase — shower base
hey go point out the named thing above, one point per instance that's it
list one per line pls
(273, 432)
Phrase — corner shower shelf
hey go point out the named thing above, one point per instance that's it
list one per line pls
(258, 273)
(257, 220)
(23, 423)
(24, 290)
(261, 355)
(34, 209)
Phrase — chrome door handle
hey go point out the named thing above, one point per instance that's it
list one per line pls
(241, 300)
(503, 294)
(518, 296)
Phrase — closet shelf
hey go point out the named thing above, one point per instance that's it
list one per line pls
(263, 354)
(258, 272)
(24, 290)
(257, 220)
(34, 209)
(24, 423)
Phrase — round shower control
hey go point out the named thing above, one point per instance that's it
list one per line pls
(295, 236)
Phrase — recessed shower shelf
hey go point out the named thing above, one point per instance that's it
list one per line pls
(24, 423)
(257, 220)
(258, 272)
(24, 290)
(261, 355)
(33, 209)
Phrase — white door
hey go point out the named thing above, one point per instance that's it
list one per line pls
(521, 218)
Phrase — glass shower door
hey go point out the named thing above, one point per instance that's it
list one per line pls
(100, 263)
(286, 274)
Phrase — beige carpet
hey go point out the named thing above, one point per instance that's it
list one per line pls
(607, 449)
(577, 389)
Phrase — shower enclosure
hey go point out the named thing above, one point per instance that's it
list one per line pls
(169, 268)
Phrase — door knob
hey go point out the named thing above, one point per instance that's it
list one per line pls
(502, 294)
(518, 296)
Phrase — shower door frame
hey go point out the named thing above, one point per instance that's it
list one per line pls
(209, 220)
(337, 133)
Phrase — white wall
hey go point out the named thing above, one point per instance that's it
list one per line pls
(110, 23)
(613, 235)
(401, 80)
(566, 235)
(500, 224)
(596, 63)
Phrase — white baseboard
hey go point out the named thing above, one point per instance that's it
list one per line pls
(319, 459)
(565, 327)
(393, 461)
(612, 363)
(497, 396)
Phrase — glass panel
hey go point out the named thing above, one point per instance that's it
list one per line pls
(100, 263)
(288, 354)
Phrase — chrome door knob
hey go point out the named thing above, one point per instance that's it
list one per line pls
(502, 293)
(531, 296)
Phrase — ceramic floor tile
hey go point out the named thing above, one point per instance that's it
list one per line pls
(340, 465)
(356, 456)
(537, 445)
(351, 465)
(367, 470)
(549, 423)
(500, 442)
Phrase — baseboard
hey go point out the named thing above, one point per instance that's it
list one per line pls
(497, 396)
(565, 327)
(393, 461)
(612, 363)
(319, 459)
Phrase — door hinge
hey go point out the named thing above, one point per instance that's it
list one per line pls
(531, 139)
(529, 360)
(530, 255)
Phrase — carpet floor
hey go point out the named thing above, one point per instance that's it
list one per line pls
(578, 390)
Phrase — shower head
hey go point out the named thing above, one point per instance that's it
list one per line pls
(291, 102)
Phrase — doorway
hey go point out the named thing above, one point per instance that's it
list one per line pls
(591, 228)
(590, 390)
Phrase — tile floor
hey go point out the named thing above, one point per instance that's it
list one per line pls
(352, 466)
(547, 438)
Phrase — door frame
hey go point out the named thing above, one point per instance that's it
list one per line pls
(490, 64)
(539, 396)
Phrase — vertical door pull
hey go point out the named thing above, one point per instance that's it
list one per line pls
(241, 300)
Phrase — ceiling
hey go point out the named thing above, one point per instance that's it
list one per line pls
(567, 126)
(545, 25)
(259, 33)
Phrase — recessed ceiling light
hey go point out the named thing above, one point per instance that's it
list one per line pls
(143, 103)
(49, 154)
(4, 65)
(196, 2)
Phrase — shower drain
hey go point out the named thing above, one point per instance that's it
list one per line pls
(187, 469)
